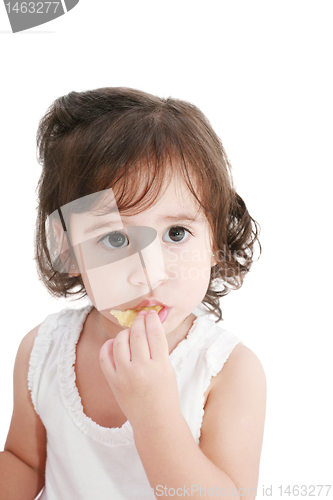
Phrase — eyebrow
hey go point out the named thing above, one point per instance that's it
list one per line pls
(166, 218)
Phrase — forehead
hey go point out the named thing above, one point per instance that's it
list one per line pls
(174, 196)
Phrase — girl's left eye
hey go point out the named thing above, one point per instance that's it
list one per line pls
(178, 233)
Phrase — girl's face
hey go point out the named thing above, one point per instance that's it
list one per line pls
(158, 254)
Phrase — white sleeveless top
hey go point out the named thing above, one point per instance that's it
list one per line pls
(84, 460)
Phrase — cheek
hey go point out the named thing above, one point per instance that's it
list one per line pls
(196, 276)
(193, 285)
(106, 288)
(192, 277)
(193, 264)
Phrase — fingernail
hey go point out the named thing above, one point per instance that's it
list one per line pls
(142, 313)
(152, 311)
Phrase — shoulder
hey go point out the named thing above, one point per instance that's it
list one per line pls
(21, 367)
(22, 361)
(29, 339)
(233, 424)
(50, 328)
(41, 340)
(241, 371)
(243, 360)
(26, 346)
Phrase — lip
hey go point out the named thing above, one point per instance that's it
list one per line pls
(164, 313)
(149, 303)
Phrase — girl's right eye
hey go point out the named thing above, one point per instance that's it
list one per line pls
(114, 240)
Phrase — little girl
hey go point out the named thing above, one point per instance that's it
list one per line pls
(138, 212)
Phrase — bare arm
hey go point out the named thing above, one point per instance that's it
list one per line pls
(22, 463)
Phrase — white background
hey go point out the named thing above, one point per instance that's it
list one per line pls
(262, 73)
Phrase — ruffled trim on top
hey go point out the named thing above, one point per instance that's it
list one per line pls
(39, 351)
(70, 394)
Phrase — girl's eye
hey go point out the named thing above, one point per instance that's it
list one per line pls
(178, 233)
(114, 240)
(117, 239)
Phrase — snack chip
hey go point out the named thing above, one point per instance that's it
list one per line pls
(126, 318)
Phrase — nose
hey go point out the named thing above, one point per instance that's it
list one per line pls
(151, 269)
(155, 275)
(151, 272)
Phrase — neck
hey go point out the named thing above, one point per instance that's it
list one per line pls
(180, 333)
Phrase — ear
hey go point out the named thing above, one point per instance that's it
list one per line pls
(63, 248)
(213, 260)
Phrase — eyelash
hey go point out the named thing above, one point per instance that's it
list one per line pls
(121, 248)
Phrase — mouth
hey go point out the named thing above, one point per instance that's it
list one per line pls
(162, 314)
(127, 317)
(149, 303)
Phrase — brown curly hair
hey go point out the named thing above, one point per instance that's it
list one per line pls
(91, 141)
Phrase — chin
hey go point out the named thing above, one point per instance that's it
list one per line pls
(108, 316)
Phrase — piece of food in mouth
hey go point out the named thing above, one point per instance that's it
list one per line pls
(126, 318)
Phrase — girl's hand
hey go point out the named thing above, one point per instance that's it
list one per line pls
(136, 364)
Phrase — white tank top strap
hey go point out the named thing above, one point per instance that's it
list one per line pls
(41, 347)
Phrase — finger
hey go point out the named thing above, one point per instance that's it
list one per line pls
(106, 358)
(157, 341)
(138, 339)
(121, 349)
